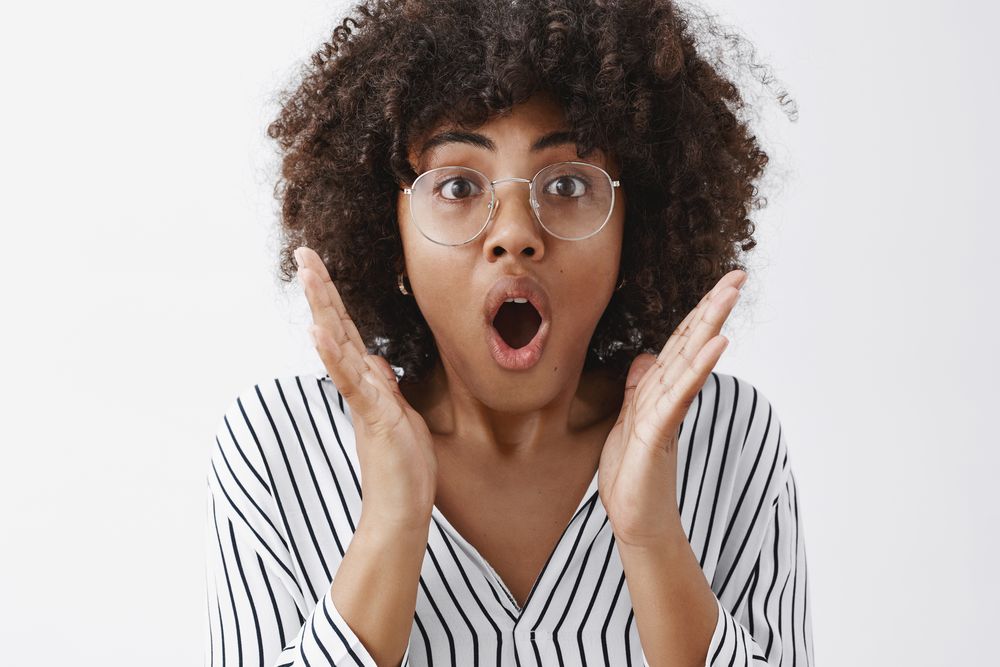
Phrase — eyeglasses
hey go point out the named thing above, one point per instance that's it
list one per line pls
(453, 205)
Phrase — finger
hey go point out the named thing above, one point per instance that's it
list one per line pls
(324, 300)
(348, 372)
(362, 383)
(339, 343)
(639, 368)
(379, 365)
(325, 303)
(672, 405)
(736, 278)
(709, 325)
(326, 318)
(681, 335)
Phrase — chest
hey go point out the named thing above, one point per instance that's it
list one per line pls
(513, 521)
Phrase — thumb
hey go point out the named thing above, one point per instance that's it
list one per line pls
(640, 365)
(379, 365)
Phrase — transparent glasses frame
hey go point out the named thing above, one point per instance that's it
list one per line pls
(531, 197)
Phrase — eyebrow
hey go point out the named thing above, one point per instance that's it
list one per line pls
(556, 138)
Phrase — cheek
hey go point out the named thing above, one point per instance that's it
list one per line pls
(589, 280)
(438, 288)
(406, 230)
(437, 277)
(595, 268)
(588, 286)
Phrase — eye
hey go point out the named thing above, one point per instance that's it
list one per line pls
(457, 187)
(567, 186)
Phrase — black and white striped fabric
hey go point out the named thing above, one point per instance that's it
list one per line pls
(284, 498)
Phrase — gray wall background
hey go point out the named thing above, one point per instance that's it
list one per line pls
(140, 296)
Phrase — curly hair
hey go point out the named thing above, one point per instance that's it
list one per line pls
(631, 82)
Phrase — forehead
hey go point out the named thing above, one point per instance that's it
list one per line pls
(534, 126)
(538, 143)
(454, 143)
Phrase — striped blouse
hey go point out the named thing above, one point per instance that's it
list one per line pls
(284, 498)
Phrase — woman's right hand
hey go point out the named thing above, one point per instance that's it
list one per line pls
(395, 449)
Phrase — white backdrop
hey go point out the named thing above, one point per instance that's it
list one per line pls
(140, 295)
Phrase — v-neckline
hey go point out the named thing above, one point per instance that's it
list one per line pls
(518, 610)
(590, 494)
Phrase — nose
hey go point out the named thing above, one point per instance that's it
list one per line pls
(513, 227)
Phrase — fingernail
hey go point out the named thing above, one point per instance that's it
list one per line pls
(298, 257)
(742, 280)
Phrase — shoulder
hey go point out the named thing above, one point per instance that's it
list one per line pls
(734, 399)
(272, 428)
(275, 403)
(737, 425)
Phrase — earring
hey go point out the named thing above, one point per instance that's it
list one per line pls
(399, 282)
(620, 284)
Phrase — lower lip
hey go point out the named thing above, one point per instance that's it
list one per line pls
(521, 358)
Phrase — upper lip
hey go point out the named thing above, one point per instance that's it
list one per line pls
(516, 286)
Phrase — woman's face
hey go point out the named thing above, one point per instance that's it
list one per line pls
(451, 283)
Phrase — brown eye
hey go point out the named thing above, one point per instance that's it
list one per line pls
(457, 188)
(567, 186)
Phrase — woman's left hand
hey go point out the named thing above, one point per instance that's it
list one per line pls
(637, 477)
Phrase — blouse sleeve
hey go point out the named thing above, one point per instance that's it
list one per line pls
(770, 623)
(760, 580)
(257, 613)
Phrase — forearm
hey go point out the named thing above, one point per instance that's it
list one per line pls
(675, 608)
(375, 588)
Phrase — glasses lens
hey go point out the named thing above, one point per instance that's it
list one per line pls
(450, 205)
(573, 200)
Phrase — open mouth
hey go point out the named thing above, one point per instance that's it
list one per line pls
(517, 323)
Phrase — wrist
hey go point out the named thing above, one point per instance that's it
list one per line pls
(670, 538)
(387, 532)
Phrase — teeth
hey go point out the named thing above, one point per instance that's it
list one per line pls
(516, 300)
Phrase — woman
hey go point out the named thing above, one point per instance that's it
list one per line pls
(497, 212)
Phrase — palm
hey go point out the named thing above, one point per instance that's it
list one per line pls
(637, 476)
(622, 474)
(395, 447)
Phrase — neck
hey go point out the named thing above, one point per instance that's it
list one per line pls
(585, 410)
